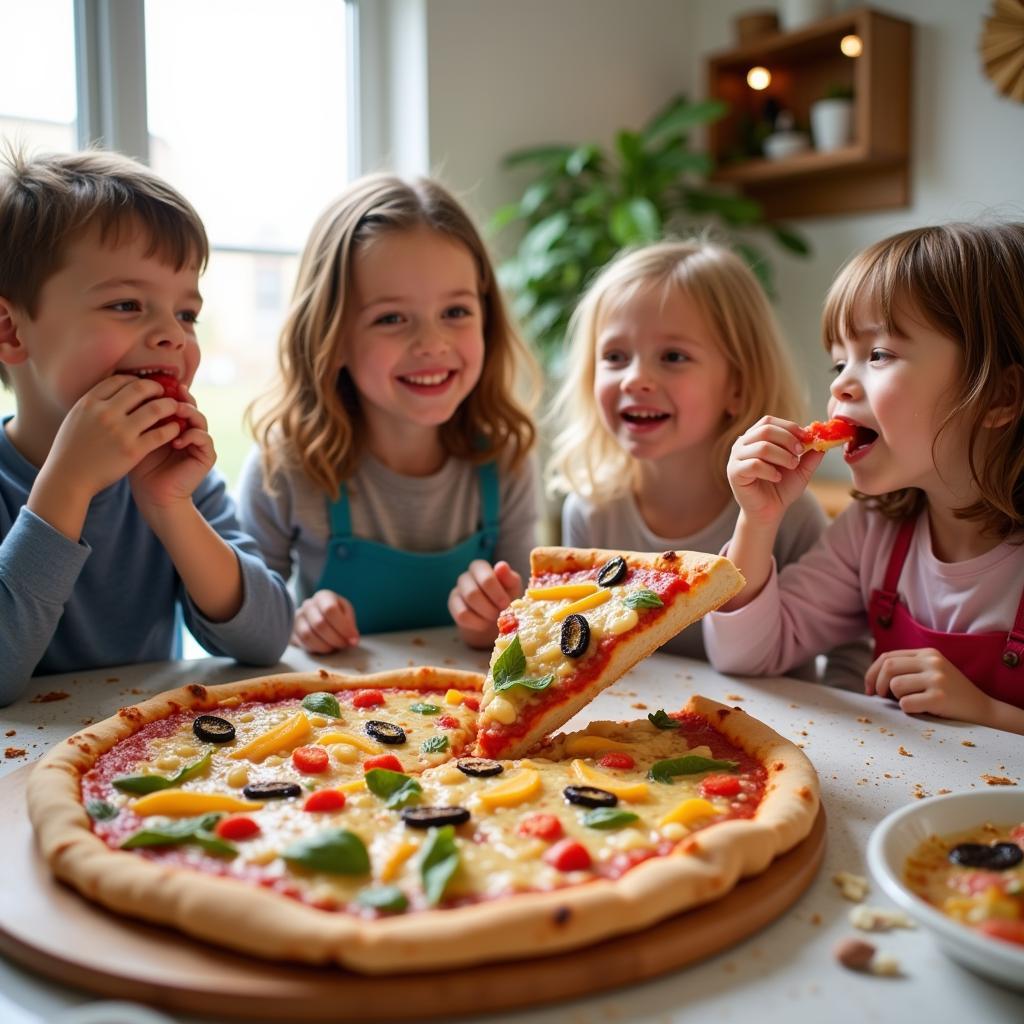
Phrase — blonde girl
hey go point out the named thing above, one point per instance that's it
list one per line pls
(926, 333)
(392, 475)
(674, 352)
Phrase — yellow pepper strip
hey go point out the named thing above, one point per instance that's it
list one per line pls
(632, 792)
(352, 787)
(689, 811)
(353, 741)
(453, 697)
(582, 605)
(290, 733)
(584, 746)
(229, 702)
(514, 790)
(179, 802)
(398, 856)
(569, 591)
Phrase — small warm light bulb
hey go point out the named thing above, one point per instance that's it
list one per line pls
(759, 78)
(852, 46)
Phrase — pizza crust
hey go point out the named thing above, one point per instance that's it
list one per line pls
(256, 921)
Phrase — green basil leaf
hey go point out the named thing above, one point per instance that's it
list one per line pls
(153, 783)
(424, 709)
(438, 862)
(336, 851)
(510, 664)
(642, 599)
(691, 764)
(183, 830)
(322, 703)
(608, 818)
(212, 843)
(435, 745)
(101, 810)
(530, 684)
(662, 720)
(383, 897)
(394, 788)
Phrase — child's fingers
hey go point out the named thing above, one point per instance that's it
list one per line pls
(510, 580)
(338, 612)
(480, 578)
(918, 703)
(464, 616)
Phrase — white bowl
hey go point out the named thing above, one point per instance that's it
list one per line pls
(899, 834)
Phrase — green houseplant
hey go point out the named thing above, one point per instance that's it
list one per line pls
(583, 203)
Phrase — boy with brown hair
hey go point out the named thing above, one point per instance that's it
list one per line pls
(110, 517)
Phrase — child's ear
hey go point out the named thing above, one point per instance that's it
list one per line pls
(1008, 402)
(11, 348)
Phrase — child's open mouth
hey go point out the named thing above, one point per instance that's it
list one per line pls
(644, 419)
(862, 442)
(429, 382)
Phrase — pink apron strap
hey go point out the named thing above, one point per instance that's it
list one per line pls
(1013, 653)
(887, 596)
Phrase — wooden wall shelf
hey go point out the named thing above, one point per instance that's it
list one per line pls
(871, 173)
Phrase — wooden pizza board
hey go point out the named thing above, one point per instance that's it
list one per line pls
(47, 927)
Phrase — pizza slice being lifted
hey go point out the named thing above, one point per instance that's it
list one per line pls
(587, 617)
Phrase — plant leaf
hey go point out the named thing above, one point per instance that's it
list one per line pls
(680, 116)
(547, 155)
(511, 663)
(791, 240)
(635, 221)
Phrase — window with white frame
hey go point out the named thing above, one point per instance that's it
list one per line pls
(245, 106)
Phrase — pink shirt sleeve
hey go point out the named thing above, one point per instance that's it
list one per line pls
(811, 606)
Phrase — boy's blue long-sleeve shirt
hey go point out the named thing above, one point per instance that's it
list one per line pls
(111, 598)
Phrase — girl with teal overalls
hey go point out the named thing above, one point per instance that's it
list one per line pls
(392, 480)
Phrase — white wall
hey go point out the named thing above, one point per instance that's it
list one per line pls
(504, 74)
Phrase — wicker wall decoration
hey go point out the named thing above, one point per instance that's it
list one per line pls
(1002, 47)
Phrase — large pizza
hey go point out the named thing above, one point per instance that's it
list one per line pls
(327, 818)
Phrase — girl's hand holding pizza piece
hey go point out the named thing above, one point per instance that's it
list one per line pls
(769, 468)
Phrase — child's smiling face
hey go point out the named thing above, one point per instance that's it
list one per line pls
(414, 334)
(112, 307)
(661, 381)
(900, 385)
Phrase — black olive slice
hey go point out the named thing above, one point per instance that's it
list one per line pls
(428, 817)
(997, 857)
(479, 766)
(272, 790)
(211, 729)
(575, 636)
(385, 732)
(613, 571)
(589, 796)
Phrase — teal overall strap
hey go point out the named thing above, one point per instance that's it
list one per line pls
(341, 516)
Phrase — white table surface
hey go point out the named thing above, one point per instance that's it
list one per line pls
(870, 756)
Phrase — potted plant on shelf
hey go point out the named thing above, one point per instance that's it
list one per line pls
(832, 119)
(584, 202)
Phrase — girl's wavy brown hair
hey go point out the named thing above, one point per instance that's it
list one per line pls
(312, 419)
(966, 281)
(586, 458)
